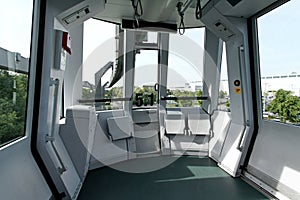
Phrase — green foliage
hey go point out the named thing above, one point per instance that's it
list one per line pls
(199, 94)
(116, 92)
(21, 95)
(12, 108)
(6, 85)
(222, 94)
(185, 103)
(286, 106)
(88, 93)
(147, 91)
(228, 103)
(223, 101)
(146, 96)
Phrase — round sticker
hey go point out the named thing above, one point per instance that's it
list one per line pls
(237, 83)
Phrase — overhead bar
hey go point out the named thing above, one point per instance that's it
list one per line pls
(146, 46)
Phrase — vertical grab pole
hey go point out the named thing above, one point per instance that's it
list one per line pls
(163, 57)
(245, 122)
(51, 137)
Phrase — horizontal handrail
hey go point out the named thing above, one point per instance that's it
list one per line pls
(184, 98)
(105, 100)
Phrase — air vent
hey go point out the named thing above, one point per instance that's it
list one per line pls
(76, 15)
(234, 2)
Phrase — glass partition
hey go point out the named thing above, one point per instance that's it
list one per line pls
(185, 69)
(279, 63)
(15, 39)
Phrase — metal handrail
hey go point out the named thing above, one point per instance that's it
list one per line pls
(105, 100)
(51, 137)
(184, 98)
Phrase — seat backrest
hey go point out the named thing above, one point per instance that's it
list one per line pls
(120, 127)
(175, 122)
(199, 124)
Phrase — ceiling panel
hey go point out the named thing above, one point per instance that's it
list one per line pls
(115, 10)
(245, 8)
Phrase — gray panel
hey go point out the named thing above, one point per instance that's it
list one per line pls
(146, 137)
(276, 153)
(212, 70)
(189, 143)
(243, 8)
(73, 71)
(120, 127)
(234, 2)
(105, 151)
(153, 126)
(78, 135)
(144, 115)
(146, 141)
(220, 122)
(273, 183)
(102, 119)
(20, 175)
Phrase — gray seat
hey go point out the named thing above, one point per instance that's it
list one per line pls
(199, 124)
(120, 128)
(175, 122)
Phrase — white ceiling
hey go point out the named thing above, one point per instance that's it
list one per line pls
(245, 9)
(166, 11)
(115, 10)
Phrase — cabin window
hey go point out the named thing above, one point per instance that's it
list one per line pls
(278, 37)
(224, 98)
(185, 69)
(14, 68)
(145, 78)
(100, 49)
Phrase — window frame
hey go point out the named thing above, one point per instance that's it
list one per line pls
(102, 107)
(253, 37)
(193, 102)
(146, 96)
(29, 101)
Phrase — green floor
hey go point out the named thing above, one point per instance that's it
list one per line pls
(187, 178)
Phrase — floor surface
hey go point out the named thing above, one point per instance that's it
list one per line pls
(187, 178)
